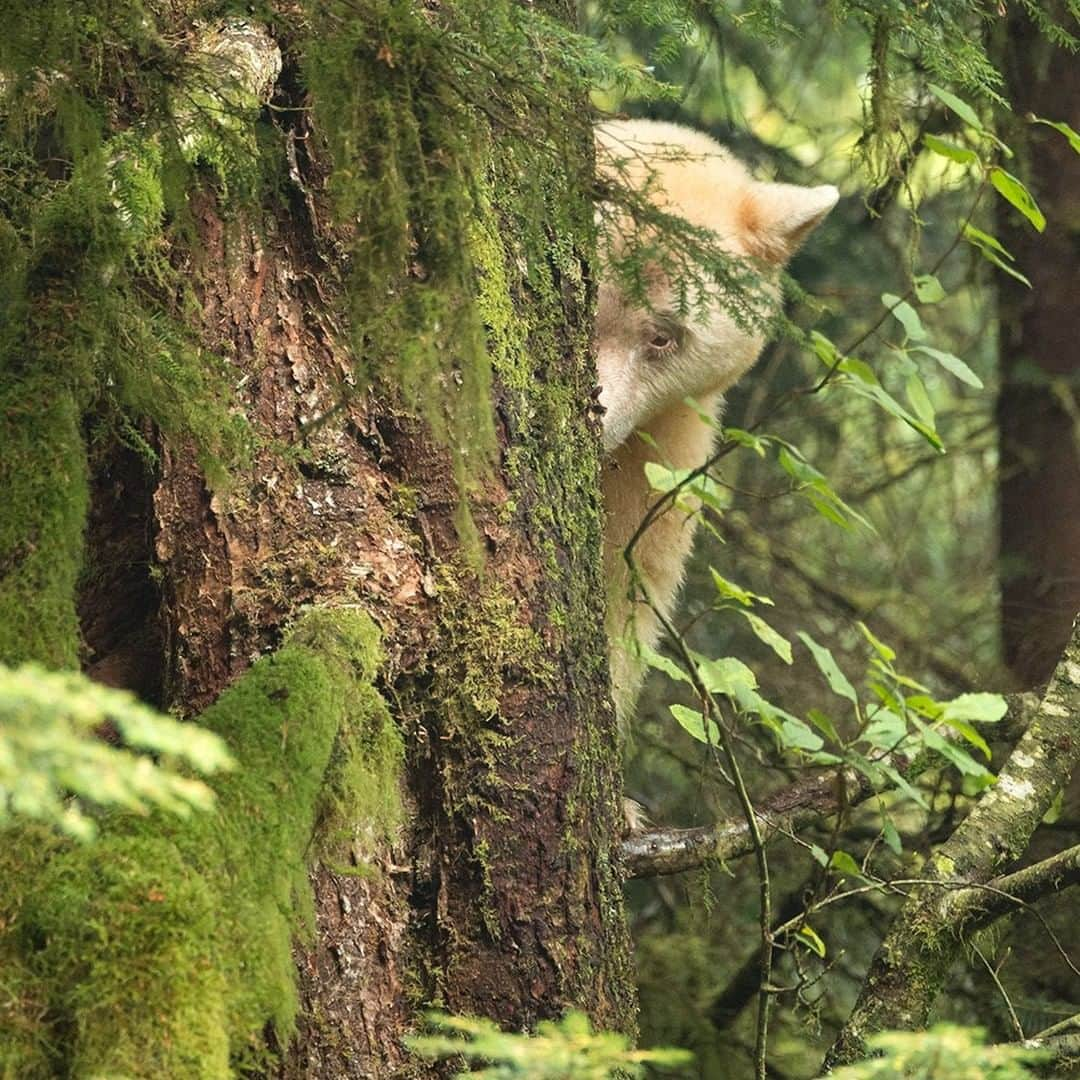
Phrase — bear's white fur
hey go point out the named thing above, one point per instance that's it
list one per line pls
(649, 360)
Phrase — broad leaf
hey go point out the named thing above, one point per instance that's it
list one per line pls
(887, 731)
(843, 863)
(958, 106)
(795, 735)
(950, 150)
(891, 837)
(1060, 125)
(660, 662)
(836, 679)
(976, 708)
(920, 400)
(693, 723)
(928, 289)
(894, 408)
(765, 633)
(728, 590)
(747, 439)
(824, 724)
(952, 364)
(907, 316)
(966, 731)
(811, 940)
(884, 651)
(1012, 190)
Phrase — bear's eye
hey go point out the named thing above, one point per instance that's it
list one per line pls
(662, 342)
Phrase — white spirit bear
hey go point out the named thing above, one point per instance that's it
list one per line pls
(650, 359)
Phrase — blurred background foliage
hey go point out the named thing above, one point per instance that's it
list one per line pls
(812, 93)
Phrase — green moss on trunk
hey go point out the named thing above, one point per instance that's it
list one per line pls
(165, 949)
(42, 513)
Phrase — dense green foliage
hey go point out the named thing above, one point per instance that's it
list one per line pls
(943, 1053)
(835, 501)
(49, 751)
(566, 1050)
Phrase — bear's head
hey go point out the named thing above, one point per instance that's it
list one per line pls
(650, 357)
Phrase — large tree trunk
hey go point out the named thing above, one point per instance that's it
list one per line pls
(499, 894)
(1039, 406)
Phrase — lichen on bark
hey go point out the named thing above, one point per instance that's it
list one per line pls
(909, 969)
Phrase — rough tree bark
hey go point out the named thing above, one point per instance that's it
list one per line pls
(501, 895)
(1039, 403)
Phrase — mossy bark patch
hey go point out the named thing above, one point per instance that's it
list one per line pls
(165, 948)
(42, 514)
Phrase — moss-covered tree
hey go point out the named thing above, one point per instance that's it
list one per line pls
(265, 275)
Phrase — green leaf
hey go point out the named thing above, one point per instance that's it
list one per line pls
(894, 408)
(860, 369)
(843, 863)
(952, 752)
(920, 400)
(824, 724)
(1013, 191)
(976, 708)
(765, 633)
(907, 316)
(924, 705)
(1060, 125)
(815, 488)
(952, 364)
(984, 239)
(725, 675)
(961, 108)
(811, 940)
(950, 150)
(746, 438)
(901, 782)
(660, 662)
(664, 478)
(831, 357)
(795, 735)
(891, 837)
(836, 679)
(966, 731)
(992, 257)
(884, 651)
(692, 721)
(728, 590)
(825, 350)
(928, 289)
(887, 731)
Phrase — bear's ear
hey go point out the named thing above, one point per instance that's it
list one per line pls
(775, 219)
